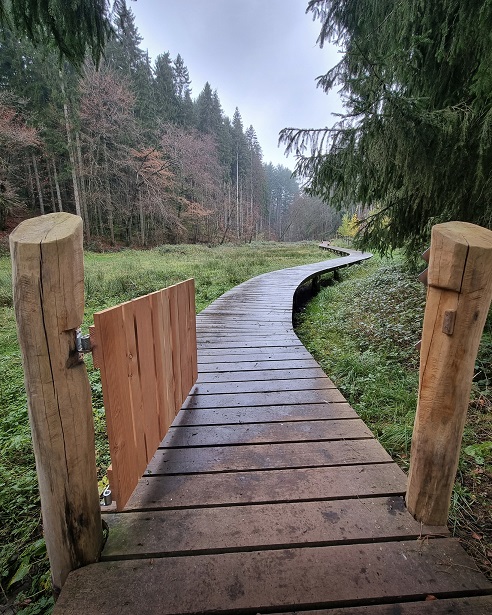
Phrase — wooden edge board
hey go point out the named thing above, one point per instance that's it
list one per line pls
(430, 605)
(268, 486)
(298, 431)
(250, 582)
(274, 456)
(267, 414)
(188, 532)
(263, 399)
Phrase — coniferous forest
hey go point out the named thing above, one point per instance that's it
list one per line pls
(126, 146)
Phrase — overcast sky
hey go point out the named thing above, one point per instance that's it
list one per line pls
(260, 55)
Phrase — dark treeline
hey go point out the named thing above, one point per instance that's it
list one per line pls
(128, 149)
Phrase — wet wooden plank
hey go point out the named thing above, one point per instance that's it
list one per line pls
(267, 432)
(262, 386)
(241, 354)
(239, 343)
(232, 582)
(257, 375)
(263, 399)
(304, 362)
(141, 534)
(266, 414)
(266, 354)
(475, 605)
(267, 486)
(265, 457)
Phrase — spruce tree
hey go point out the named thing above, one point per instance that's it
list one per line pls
(415, 142)
(125, 56)
(206, 111)
(181, 77)
(72, 27)
(165, 97)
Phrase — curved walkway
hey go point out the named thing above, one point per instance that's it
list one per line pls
(269, 494)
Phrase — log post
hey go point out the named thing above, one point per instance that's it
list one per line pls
(48, 281)
(458, 299)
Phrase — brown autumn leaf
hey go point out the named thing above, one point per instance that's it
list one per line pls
(476, 536)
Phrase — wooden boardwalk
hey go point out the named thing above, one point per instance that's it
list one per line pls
(269, 494)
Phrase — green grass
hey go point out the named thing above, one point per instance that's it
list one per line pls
(109, 280)
(363, 332)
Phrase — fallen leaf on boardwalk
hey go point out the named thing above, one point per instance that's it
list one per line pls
(430, 597)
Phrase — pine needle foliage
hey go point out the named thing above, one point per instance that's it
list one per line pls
(72, 26)
(414, 146)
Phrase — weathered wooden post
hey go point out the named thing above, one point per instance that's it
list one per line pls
(48, 280)
(458, 298)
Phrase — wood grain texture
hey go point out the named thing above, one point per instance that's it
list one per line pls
(48, 288)
(262, 487)
(460, 281)
(141, 534)
(478, 605)
(263, 386)
(148, 362)
(264, 414)
(233, 582)
(266, 456)
(351, 429)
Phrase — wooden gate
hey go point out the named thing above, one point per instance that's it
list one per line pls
(146, 351)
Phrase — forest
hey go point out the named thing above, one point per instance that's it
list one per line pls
(127, 147)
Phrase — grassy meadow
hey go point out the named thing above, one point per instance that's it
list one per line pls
(110, 278)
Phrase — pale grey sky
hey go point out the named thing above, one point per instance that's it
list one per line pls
(261, 56)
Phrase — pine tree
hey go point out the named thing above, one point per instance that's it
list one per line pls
(124, 55)
(181, 77)
(206, 111)
(415, 142)
(165, 96)
(71, 27)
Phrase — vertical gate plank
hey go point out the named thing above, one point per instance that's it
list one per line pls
(135, 388)
(184, 363)
(159, 357)
(147, 373)
(114, 378)
(167, 336)
(192, 331)
(175, 345)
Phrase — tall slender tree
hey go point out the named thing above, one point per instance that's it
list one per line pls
(165, 96)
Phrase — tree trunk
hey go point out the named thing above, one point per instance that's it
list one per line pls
(57, 186)
(70, 148)
(109, 206)
(141, 215)
(52, 191)
(38, 184)
(83, 197)
(48, 284)
(32, 193)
